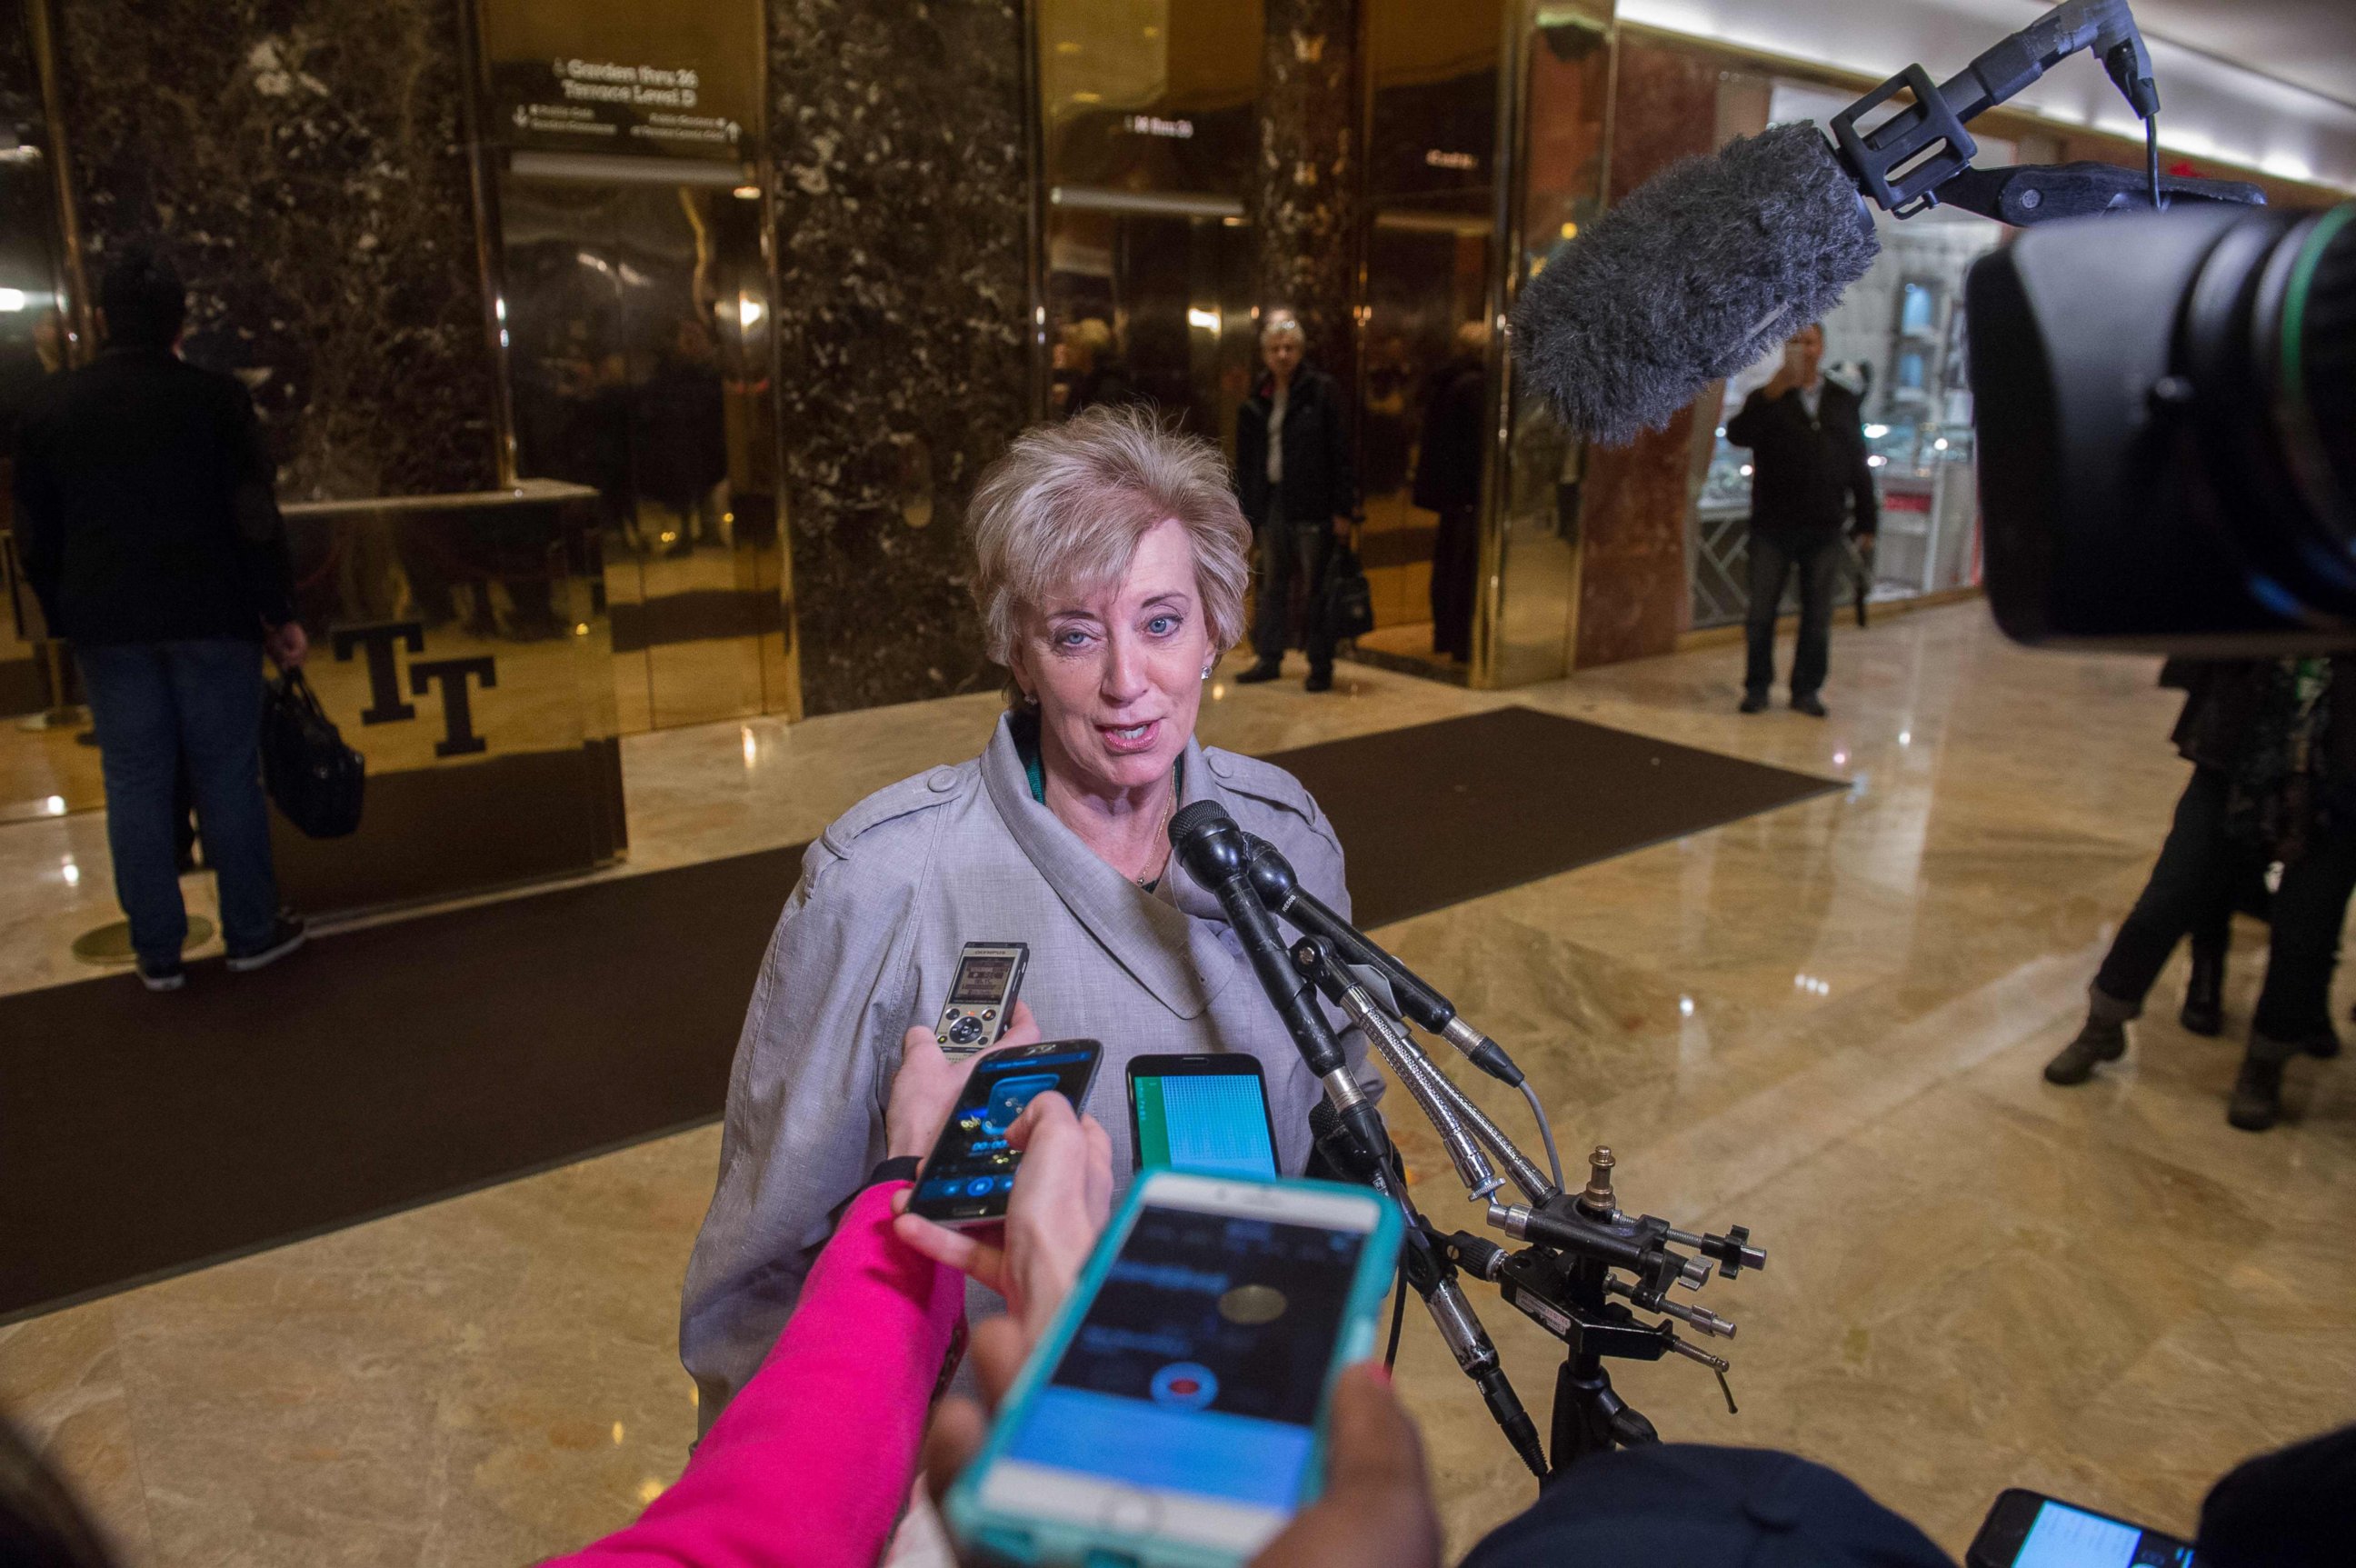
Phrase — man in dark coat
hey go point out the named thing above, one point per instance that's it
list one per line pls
(1294, 477)
(1448, 481)
(1807, 447)
(150, 531)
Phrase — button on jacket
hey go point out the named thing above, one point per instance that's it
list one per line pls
(866, 948)
(144, 508)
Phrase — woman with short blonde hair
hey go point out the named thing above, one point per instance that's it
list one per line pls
(1110, 570)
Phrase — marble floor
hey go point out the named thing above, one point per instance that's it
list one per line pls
(1825, 1021)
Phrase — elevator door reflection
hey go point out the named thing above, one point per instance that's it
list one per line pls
(637, 318)
(1152, 308)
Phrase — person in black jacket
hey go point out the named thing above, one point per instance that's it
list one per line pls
(151, 533)
(1294, 477)
(1448, 481)
(1807, 450)
(2273, 748)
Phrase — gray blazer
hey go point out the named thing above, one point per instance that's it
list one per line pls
(866, 948)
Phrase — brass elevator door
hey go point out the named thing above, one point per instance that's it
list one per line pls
(637, 318)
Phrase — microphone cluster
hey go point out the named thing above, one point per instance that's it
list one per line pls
(1563, 1278)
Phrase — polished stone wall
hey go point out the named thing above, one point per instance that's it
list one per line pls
(303, 163)
(1633, 591)
(1304, 193)
(901, 191)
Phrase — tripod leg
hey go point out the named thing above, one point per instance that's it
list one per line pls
(1589, 1417)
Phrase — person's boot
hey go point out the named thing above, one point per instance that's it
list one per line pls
(2257, 1104)
(2101, 1040)
(1752, 703)
(1321, 679)
(2323, 1045)
(1265, 670)
(2204, 994)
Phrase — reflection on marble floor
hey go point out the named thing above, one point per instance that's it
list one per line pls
(1826, 1023)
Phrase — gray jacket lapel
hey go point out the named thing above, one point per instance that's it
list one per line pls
(1181, 960)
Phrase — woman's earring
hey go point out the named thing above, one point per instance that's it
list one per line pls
(1206, 670)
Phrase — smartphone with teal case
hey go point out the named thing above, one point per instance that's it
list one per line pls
(1175, 1415)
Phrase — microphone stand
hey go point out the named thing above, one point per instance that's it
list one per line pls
(1577, 1246)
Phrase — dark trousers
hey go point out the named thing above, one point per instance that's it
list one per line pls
(159, 706)
(1292, 558)
(1773, 558)
(1455, 564)
(2200, 871)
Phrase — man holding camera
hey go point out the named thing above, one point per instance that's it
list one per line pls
(1807, 445)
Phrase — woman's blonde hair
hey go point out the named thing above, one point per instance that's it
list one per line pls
(1064, 508)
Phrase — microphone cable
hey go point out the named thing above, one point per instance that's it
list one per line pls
(2151, 157)
(1546, 1132)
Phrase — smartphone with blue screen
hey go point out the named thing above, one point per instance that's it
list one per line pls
(2026, 1530)
(967, 1178)
(1205, 1113)
(1174, 1414)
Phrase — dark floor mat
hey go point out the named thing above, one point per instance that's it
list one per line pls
(143, 1134)
(1436, 813)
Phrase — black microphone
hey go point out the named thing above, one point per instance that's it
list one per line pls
(1217, 853)
(1714, 260)
(1428, 1269)
(1279, 889)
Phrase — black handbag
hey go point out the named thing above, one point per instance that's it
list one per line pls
(1349, 608)
(313, 777)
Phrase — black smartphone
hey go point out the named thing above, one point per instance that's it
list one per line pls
(1205, 1114)
(970, 1170)
(2027, 1530)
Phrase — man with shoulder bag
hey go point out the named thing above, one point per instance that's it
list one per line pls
(150, 531)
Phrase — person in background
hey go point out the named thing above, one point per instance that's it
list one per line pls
(1091, 364)
(2273, 748)
(150, 531)
(1807, 450)
(1448, 481)
(1294, 477)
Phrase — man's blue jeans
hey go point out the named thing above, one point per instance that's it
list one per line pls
(1816, 557)
(157, 703)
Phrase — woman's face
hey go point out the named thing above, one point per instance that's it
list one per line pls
(1118, 673)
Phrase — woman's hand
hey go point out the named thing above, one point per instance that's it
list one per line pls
(1063, 1191)
(926, 1087)
(1376, 1511)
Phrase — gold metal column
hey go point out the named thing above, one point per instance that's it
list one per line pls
(1526, 617)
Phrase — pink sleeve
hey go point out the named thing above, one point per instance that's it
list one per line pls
(809, 1465)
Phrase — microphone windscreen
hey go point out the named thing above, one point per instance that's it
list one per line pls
(1697, 273)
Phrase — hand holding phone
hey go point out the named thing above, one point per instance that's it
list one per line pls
(1063, 1191)
(969, 1176)
(1175, 1412)
(926, 1089)
(1377, 1510)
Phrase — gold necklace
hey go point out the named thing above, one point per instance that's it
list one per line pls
(1160, 834)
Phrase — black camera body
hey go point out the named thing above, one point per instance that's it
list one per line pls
(2166, 408)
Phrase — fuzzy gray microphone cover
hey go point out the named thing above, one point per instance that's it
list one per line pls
(1697, 273)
